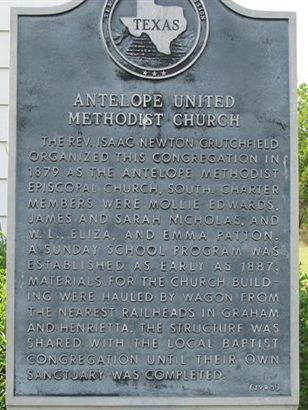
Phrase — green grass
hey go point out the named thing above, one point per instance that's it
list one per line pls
(303, 252)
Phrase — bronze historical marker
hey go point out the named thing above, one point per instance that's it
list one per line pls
(153, 216)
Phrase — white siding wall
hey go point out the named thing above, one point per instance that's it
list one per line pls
(5, 6)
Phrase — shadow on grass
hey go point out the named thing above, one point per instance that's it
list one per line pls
(304, 237)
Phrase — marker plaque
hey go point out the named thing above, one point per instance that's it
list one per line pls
(153, 217)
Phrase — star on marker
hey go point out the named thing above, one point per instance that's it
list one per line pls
(145, 73)
(154, 73)
(163, 72)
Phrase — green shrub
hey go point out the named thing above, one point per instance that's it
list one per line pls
(304, 340)
(2, 319)
(2, 251)
(2, 336)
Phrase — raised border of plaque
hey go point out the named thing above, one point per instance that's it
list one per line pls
(154, 403)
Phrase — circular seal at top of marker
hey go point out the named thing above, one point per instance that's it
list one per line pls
(155, 39)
